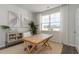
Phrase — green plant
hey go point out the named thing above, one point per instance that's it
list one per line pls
(33, 28)
(5, 27)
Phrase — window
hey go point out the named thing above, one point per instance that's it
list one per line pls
(55, 21)
(51, 22)
(45, 23)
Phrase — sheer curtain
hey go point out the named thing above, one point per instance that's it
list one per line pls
(64, 22)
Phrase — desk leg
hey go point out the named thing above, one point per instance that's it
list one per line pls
(31, 50)
(47, 45)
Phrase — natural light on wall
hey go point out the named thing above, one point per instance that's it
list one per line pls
(51, 22)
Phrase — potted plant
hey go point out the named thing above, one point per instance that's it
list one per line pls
(33, 28)
(4, 27)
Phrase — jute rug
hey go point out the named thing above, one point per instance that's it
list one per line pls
(19, 49)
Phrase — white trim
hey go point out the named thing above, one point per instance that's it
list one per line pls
(2, 45)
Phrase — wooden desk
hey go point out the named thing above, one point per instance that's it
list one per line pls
(37, 39)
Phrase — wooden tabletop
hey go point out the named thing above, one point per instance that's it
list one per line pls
(37, 38)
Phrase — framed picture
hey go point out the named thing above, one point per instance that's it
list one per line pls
(18, 22)
(25, 21)
(13, 19)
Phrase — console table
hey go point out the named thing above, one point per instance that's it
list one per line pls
(13, 38)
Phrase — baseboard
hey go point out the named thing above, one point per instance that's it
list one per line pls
(73, 45)
(2, 47)
(10, 45)
(68, 44)
(55, 41)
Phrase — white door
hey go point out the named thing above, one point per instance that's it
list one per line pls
(76, 32)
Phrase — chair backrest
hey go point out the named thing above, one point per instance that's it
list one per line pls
(27, 34)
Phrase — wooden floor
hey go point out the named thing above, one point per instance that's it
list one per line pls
(57, 49)
(69, 50)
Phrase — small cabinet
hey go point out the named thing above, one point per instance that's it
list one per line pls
(13, 38)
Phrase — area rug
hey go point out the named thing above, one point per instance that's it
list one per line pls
(19, 49)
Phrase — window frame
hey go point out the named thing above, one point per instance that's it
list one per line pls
(44, 23)
(51, 22)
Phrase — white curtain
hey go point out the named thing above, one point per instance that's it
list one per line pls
(64, 22)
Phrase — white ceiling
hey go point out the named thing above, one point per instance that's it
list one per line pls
(37, 7)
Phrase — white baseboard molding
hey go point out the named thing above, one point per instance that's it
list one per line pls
(73, 45)
(2, 46)
(55, 42)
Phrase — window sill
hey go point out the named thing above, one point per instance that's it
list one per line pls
(50, 31)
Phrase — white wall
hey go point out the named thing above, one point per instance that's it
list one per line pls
(4, 18)
(4, 12)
